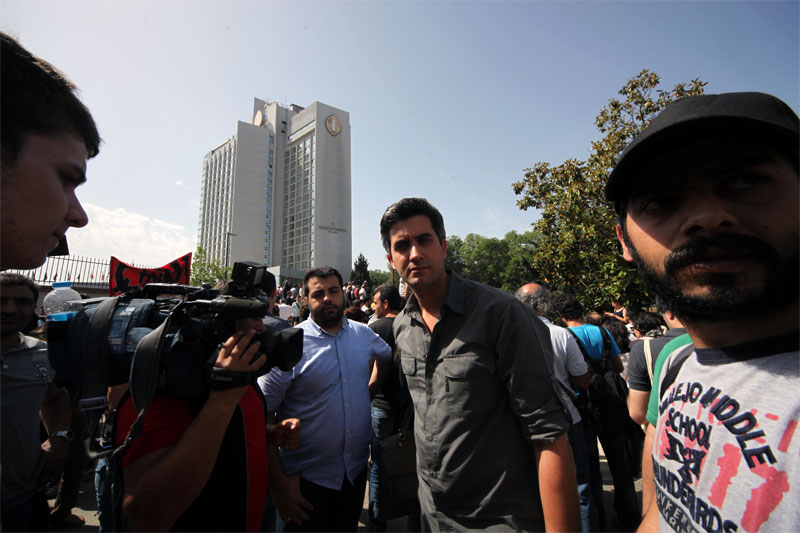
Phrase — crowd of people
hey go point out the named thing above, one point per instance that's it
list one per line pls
(506, 396)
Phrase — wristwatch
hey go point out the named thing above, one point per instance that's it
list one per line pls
(64, 434)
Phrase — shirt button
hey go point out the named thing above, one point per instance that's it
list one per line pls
(435, 475)
(428, 437)
(344, 380)
(347, 405)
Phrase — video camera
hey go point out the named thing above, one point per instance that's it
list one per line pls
(99, 346)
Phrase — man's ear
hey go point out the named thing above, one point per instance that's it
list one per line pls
(444, 246)
(626, 253)
(389, 258)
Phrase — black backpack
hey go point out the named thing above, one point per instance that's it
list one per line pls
(607, 392)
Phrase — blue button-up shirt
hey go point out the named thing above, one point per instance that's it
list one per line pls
(328, 390)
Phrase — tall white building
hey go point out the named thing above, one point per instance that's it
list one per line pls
(278, 192)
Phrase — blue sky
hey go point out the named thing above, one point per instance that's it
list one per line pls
(447, 100)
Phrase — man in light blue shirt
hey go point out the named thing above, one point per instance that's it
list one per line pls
(320, 486)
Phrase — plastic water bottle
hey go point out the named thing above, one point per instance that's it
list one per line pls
(58, 304)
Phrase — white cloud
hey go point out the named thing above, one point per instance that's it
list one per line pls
(130, 237)
(179, 183)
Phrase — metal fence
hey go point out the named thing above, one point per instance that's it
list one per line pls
(83, 272)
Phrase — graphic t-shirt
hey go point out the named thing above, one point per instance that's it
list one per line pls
(727, 450)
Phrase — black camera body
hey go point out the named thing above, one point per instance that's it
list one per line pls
(199, 321)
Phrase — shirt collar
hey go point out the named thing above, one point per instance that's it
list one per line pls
(453, 300)
(320, 331)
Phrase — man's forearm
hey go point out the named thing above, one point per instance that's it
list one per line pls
(161, 485)
(56, 412)
(557, 485)
(376, 379)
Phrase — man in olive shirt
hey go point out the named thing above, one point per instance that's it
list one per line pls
(490, 427)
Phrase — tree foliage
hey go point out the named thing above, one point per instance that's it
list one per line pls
(578, 250)
(380, 277)
(505, 263)
(360, 272)
(206, 270)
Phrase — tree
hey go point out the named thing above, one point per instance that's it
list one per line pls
(578, 250)
(380, 277)
(503, 263)
(360, 272)
(206, 270)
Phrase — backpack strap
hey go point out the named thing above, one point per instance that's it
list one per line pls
(95, 371)
(648, 357)
(606, 343)
(580, 345)
(675, 365)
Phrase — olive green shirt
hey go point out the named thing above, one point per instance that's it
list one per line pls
(484, 392)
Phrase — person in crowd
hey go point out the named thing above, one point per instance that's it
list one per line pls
(619, 313)
(320, 485)
(643, 359)
(27, 394)
(707, 202)
(388, 401)
(569, 368)
(490, 424)
(46, 135)
(200, 464)
(612, 425)
(647, 325)
(619, 332)
(285, 311)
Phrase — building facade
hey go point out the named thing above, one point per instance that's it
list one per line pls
(278, 192)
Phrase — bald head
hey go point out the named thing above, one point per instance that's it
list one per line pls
(535, 295)
(528, 289)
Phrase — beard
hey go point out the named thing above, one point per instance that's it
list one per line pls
(724, 300)
(326, 317)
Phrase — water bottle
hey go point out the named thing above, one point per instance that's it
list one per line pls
(59, 304)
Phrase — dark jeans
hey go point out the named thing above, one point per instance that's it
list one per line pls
(626, 506)
(103, 478)
(382, 422)
(334, 510)
(589, 515)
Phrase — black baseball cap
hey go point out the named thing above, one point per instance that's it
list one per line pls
(681, 118)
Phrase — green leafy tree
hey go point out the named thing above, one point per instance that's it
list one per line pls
(577, 249)
(454, 260)
(519, 268)
(360, 272)
(503, 263)
(206, 270)
(381, 277)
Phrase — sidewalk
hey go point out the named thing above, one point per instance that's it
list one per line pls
(87, 505)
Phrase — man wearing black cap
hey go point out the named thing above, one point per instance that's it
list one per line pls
(707, 197)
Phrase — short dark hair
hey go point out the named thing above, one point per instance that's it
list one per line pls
(10, 279)
(568, 306)
(390, 293)
(321, 273)
(647, 321)
(405, 209)
(36, 98)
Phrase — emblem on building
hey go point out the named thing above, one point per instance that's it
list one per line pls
(333, 124)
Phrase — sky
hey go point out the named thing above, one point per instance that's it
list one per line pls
(450, 101)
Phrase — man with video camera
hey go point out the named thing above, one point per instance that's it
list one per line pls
(201, 463)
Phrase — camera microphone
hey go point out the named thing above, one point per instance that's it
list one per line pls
(240, 307)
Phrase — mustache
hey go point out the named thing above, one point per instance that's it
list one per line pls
(724, 245)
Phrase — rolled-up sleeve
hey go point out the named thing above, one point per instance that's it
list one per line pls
(274, 385)
(525, 364)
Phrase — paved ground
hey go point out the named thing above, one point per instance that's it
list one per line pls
(87, 505)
